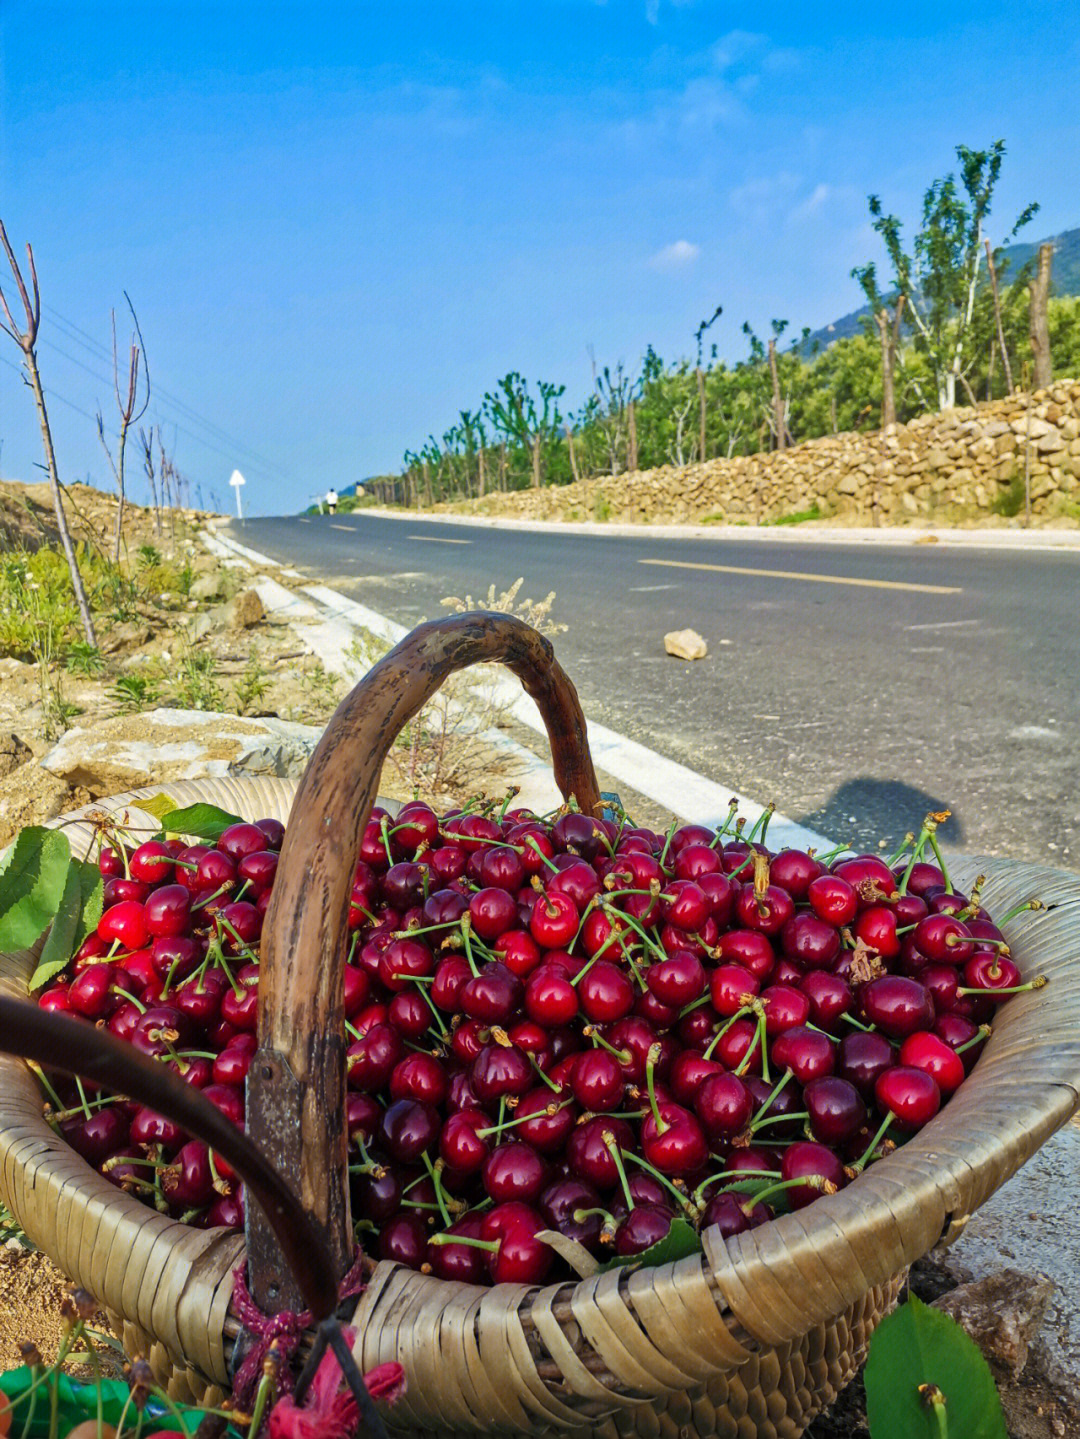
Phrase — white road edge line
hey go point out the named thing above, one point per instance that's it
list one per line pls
(674, 786)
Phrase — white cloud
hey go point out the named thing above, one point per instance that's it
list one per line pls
(736, 45)
(676, 256)
(812, 203)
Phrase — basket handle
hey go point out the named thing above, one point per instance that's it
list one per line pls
(297, 1078)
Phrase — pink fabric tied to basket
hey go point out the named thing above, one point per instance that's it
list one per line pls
(328, 1412)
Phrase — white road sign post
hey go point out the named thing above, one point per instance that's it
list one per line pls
(236, 479)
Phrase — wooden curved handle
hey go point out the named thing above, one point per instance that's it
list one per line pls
(297, 1079)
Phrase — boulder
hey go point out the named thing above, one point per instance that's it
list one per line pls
(30, 795)
(164, 744)
(685, 645)
(1003, 1314)
(208, 587)
(244, 610)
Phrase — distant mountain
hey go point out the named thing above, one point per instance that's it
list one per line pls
(1066, 281)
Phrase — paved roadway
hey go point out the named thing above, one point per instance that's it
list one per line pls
(857, 685)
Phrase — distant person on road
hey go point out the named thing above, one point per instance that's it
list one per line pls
(331, 500)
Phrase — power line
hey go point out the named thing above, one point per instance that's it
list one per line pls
(79, 336)
(50, 394)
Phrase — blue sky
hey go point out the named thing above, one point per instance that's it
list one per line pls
(340, 224)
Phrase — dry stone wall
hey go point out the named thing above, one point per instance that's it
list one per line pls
(959, 466)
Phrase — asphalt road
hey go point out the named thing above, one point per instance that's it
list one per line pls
(858, 686)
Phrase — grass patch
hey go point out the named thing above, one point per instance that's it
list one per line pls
(798, 517)
(1010, 501)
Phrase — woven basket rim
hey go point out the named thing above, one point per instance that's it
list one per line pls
(769, 1285)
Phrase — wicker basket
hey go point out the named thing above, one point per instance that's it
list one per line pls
(751, 1338)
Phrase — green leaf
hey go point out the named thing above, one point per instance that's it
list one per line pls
(79, 912)
(201, 821)
(681, 1239)
(917, 1346)
(158, 805)
(32, 885)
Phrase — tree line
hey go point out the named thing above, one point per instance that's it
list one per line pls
(947, 323)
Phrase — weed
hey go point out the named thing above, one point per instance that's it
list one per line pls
(798, 517)
(185, 578)
(252, 684)
(85, 659)
(1010, 500)
(10, 1228)
(533, 612)
(196, 681)
(131, 693)
(601, 508)
(148, 556)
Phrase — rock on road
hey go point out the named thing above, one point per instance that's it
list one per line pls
(856, 685)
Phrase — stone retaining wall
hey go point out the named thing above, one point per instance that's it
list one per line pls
(962, 465)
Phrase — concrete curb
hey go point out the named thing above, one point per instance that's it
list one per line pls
(807, 533)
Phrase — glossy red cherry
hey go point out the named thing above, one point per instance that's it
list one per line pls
(911, 1095)
(836, 1109)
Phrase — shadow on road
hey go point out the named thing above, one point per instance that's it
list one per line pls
(867, 809)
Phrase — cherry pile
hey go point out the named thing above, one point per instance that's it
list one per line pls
(569, 1027)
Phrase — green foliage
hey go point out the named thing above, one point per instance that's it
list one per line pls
(1010, 502)
(796, 518)
(32, 883)
(252, 684)
(81, 658)
(76, 915)
(148, 556)
(131, 692)
(939, 275)
(196, 683)
(925, 1379)
(199, 821)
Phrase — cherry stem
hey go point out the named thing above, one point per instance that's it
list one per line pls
(733, 809)
(551, 1110)
(662, 1125)
(1032, 904)
(694, 1004)
(916, 856)
(746, 1009)
(622, 1055)
(761, 824)
(779, 1119)
(435, 1171)
(1039, 982)
(814, 1181)
(941, 861)
(660, 1178)
(116, 989)
(546, 1078)
(83, 1103)
(984, 1033)
(850, 1018)
(466, 930)
(759, 1117)
(434, 1009)
(861, 1164)
(613, 1149)
(827, 859)
(667, 842)
(533, 843)
(898, 854)
(490, 1245)
(742, 1175)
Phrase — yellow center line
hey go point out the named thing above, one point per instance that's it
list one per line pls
(437, 540)
(802, 575)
